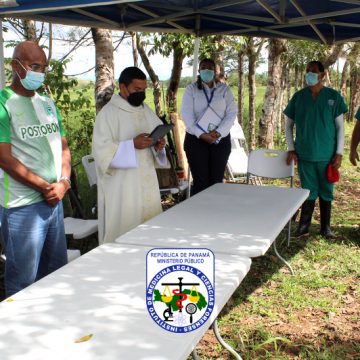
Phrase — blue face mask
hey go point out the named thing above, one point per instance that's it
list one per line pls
(33, 80)
(207, 75)
(311, 78)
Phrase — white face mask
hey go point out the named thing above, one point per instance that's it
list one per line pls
(33, 80)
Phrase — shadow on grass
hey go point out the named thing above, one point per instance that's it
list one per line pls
(263, 268)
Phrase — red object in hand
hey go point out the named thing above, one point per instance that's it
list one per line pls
(332, 174)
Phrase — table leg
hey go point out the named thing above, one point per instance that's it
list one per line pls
(223, 343)
(289, 233)
(282, 259)
(194, 355)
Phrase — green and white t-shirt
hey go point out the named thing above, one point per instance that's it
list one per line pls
(32, 125)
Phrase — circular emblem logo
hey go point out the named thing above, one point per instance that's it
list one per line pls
(180, 298)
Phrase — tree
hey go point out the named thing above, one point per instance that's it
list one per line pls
(253, 48)
(30, 30)
(241, 84)
(354, 59)
(134, 48)
(153, 76)
(104, 70)
(267, 121)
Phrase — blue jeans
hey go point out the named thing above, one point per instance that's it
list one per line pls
(35, 243)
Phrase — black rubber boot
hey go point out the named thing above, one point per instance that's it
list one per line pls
(325, 215)
(307, 210)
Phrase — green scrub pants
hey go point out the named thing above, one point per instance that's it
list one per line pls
(313, 177)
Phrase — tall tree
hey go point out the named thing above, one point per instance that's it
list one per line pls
(354, 60)
(134, 37)
(241, 85)
(268, 118)
(104, 70)
(218, 55)
(180, 46)
(153, 76)
(344, 77)
(253, 48)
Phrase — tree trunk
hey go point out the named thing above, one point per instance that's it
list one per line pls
(253, 52)
(343, 81)
(171, 93)
(241, 86)
(218, 56)
(354, 90)
(288, 83)
(104, 70)
(268, 118)
(50, 41)
(252, 98)
(331, 55)
(134, 48)
(283, 89)
(154, 78)
(29, 30)
(353, 58)
(296, 78)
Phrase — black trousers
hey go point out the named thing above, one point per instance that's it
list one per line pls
(207, 162)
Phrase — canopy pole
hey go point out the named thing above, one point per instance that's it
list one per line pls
(2, 60)
(195, 71)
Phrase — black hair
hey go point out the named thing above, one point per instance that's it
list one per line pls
(129, 74)
(319, 65)
(198, 80)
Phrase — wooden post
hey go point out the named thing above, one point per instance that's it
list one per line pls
(179, 136)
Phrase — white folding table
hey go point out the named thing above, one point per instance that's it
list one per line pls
(226, 218)
(102, 293)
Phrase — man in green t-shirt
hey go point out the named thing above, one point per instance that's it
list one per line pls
(35, 158)
(355, 139)
(317, 113)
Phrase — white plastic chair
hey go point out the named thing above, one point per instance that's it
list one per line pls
(76, 228)
(271, 164)
(89, 166)
(238, 159)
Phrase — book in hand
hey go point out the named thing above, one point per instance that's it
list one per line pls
(209, 121)
(159, 132)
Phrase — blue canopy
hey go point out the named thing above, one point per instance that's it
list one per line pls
(328, 21)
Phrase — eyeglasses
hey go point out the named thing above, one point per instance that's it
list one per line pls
(35, 67)
(39, 68)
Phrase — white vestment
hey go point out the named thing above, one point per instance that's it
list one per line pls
(127, 196)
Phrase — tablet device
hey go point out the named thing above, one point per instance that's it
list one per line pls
(160, 131)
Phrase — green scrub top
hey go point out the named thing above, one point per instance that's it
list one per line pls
(316, 137)
(357, 115)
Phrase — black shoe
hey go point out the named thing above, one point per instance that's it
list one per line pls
(302, 231)
(327, 233)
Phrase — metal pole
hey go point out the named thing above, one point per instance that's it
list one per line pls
(195, 71)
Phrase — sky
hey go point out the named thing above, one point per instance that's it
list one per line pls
(84, 58)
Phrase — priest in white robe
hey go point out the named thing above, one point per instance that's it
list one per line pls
(128, 190)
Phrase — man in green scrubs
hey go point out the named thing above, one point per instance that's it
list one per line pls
(355, 139)
(317, 113)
